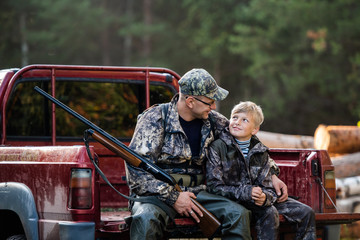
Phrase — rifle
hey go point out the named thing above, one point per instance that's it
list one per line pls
(208, 224)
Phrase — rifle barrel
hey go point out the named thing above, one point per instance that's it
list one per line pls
(148, 166)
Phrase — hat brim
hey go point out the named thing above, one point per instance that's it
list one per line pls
(219, 94)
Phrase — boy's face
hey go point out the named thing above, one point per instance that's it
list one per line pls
(242, 126)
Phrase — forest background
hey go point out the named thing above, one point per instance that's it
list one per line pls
(299, 60)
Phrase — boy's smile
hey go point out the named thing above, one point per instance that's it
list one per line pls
(242, 126)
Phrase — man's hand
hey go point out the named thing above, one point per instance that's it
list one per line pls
(184, 206)
(258, 196)
(280, 188)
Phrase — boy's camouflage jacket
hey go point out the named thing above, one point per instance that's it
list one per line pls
(162, 140)
(231, 175)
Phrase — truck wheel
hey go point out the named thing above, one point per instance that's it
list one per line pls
(17, 237)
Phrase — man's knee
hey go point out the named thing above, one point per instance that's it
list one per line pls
(148, 221)
(148, 213)
(223, 207)
(237, 215)
(234, 217)
(236, 209)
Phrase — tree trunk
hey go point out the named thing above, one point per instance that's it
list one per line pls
(347, 165)
(217, 77)
(337, 139)
(128, 38)
(277, 140)
(24, 44)
(148, 22)
(104, 39)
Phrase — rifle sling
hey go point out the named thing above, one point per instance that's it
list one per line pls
(144, 199)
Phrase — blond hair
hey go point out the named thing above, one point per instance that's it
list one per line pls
(249, 107)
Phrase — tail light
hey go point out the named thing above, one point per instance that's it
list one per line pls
(80, 196)
(330, 186)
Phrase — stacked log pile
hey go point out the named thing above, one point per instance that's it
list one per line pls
(343, 146)
(277, 140)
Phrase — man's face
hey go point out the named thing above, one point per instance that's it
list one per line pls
(242, 126)
(202, 106)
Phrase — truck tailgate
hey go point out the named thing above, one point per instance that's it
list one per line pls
(336, 218)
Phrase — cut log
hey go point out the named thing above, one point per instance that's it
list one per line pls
(278, 140)
(337, 139)
(350, 204)
(346, 187)
(347, 165)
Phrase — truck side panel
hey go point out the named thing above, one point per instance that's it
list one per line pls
(45, 172)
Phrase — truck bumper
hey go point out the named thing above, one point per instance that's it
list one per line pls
(77, 231)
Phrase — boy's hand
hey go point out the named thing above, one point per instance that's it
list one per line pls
(258, 196)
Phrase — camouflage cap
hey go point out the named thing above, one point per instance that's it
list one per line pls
(199, 82)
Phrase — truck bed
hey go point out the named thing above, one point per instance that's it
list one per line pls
(184, 227)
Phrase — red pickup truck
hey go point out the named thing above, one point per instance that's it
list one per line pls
(49, 189)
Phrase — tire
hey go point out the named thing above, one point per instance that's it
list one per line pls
(17, 237)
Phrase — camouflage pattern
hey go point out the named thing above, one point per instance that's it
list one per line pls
(162, 141)
(231, 175)
(267, 219)
(301, 214)
(198, 82)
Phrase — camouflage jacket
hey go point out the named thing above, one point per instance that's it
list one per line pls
(231, 175)
(160, 138)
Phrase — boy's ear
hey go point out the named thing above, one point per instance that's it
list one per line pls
(255, 130)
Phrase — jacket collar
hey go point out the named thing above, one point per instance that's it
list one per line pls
(255, 143)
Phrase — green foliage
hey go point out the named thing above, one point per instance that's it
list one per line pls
(298, 54)
(299, 60)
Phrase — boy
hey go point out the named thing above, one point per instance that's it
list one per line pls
(238, 168)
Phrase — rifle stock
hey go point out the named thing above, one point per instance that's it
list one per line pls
(209, 224)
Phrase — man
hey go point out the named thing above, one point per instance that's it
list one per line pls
(175, 136)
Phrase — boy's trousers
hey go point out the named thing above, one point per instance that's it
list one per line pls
(267, 219)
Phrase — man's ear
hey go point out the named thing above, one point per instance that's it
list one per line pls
(189, 102)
